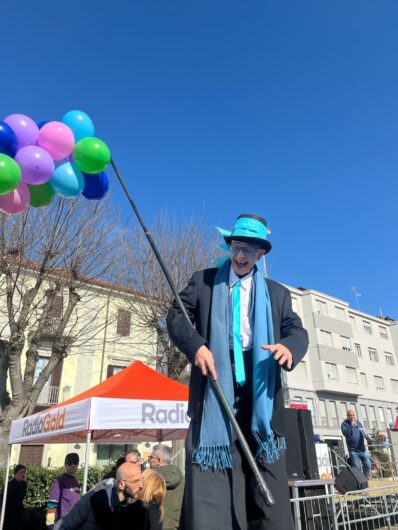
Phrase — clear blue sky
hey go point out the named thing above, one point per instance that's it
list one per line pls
(287, 109)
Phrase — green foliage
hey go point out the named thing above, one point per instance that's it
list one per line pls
(39, 482)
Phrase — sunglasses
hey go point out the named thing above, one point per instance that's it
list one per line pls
(247, 251)
(72, 462)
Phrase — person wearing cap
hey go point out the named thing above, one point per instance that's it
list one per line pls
(65, 491)
(16, 492)
(244, 333)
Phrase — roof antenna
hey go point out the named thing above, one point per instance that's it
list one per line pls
(356, 294)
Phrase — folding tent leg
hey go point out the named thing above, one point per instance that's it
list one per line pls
(86, 462)
(5, 489)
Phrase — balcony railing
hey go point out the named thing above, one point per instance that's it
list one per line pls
(49, 395)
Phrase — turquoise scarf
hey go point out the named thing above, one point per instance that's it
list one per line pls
(214, 447)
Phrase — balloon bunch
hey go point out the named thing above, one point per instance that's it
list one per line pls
(39, 160)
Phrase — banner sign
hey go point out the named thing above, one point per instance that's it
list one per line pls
(108, 413)
(51, 422)
(324, 466)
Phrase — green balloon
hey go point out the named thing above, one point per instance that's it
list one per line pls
(10, 174)
(41, 195)
(91, 155)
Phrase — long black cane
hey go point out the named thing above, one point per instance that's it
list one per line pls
(261, 484)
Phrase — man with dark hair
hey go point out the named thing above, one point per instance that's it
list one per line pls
(134, 457)
(160, 461)
(244, 333)
(16, 493)
(65, 491)
(112, 473)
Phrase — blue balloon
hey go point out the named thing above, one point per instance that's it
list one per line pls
(42, 123)
(8, 140)
(95, 186)
(80, 123)
(67, 180)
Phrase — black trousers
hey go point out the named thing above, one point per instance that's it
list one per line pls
(229, 500)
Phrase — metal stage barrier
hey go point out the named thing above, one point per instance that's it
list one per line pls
(370, 509)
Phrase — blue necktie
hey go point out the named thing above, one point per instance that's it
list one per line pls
(238, 352)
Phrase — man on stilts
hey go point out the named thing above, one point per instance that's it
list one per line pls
(245, 332)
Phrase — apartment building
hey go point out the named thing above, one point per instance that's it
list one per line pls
(352, 362)
(118, 339)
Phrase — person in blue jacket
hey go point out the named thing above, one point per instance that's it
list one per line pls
(355, 436)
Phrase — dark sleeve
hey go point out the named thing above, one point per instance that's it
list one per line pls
(154, 517)
(103, 514)
(347, 430)
(181, 332)
(293, 335)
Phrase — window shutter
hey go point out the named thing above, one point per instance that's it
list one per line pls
(57, 306)
(123, 322)
(56, 375)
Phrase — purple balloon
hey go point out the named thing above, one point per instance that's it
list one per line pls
(25, 129)
(36, 164)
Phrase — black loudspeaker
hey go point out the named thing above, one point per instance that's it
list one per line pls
(350, 479)
(301, 459)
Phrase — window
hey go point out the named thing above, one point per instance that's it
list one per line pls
(367, 327)
(345, 343)
(331, 371)
(373, 355)
(340, 313)
(358, 350)
(353, 322)
(381, 416)
(123, 322)
(372, 417)
(113, 369)
(390, 417)
(54, 314)
(321, 307)
(322, 412)
(379, 382)
(326, 338)
(351, 374)
(334, 418)
(40, 365)
(354, 408)
(383, 332)
(301, 369)
(364, 416)
(394, 385)
(343, 409)
(364, 380)
(389, 358)
(310, 405)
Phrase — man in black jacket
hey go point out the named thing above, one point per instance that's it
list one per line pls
(244, 332)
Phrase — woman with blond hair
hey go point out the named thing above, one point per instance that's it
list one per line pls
(152, 496)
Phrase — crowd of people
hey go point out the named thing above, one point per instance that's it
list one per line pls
(130, 495)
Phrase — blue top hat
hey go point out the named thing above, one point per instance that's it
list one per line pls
(250, 229)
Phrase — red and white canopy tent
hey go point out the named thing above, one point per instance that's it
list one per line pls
(136, 404)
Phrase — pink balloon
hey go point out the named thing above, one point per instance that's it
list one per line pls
(57, 138)
(25, 129)
(16, 201)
